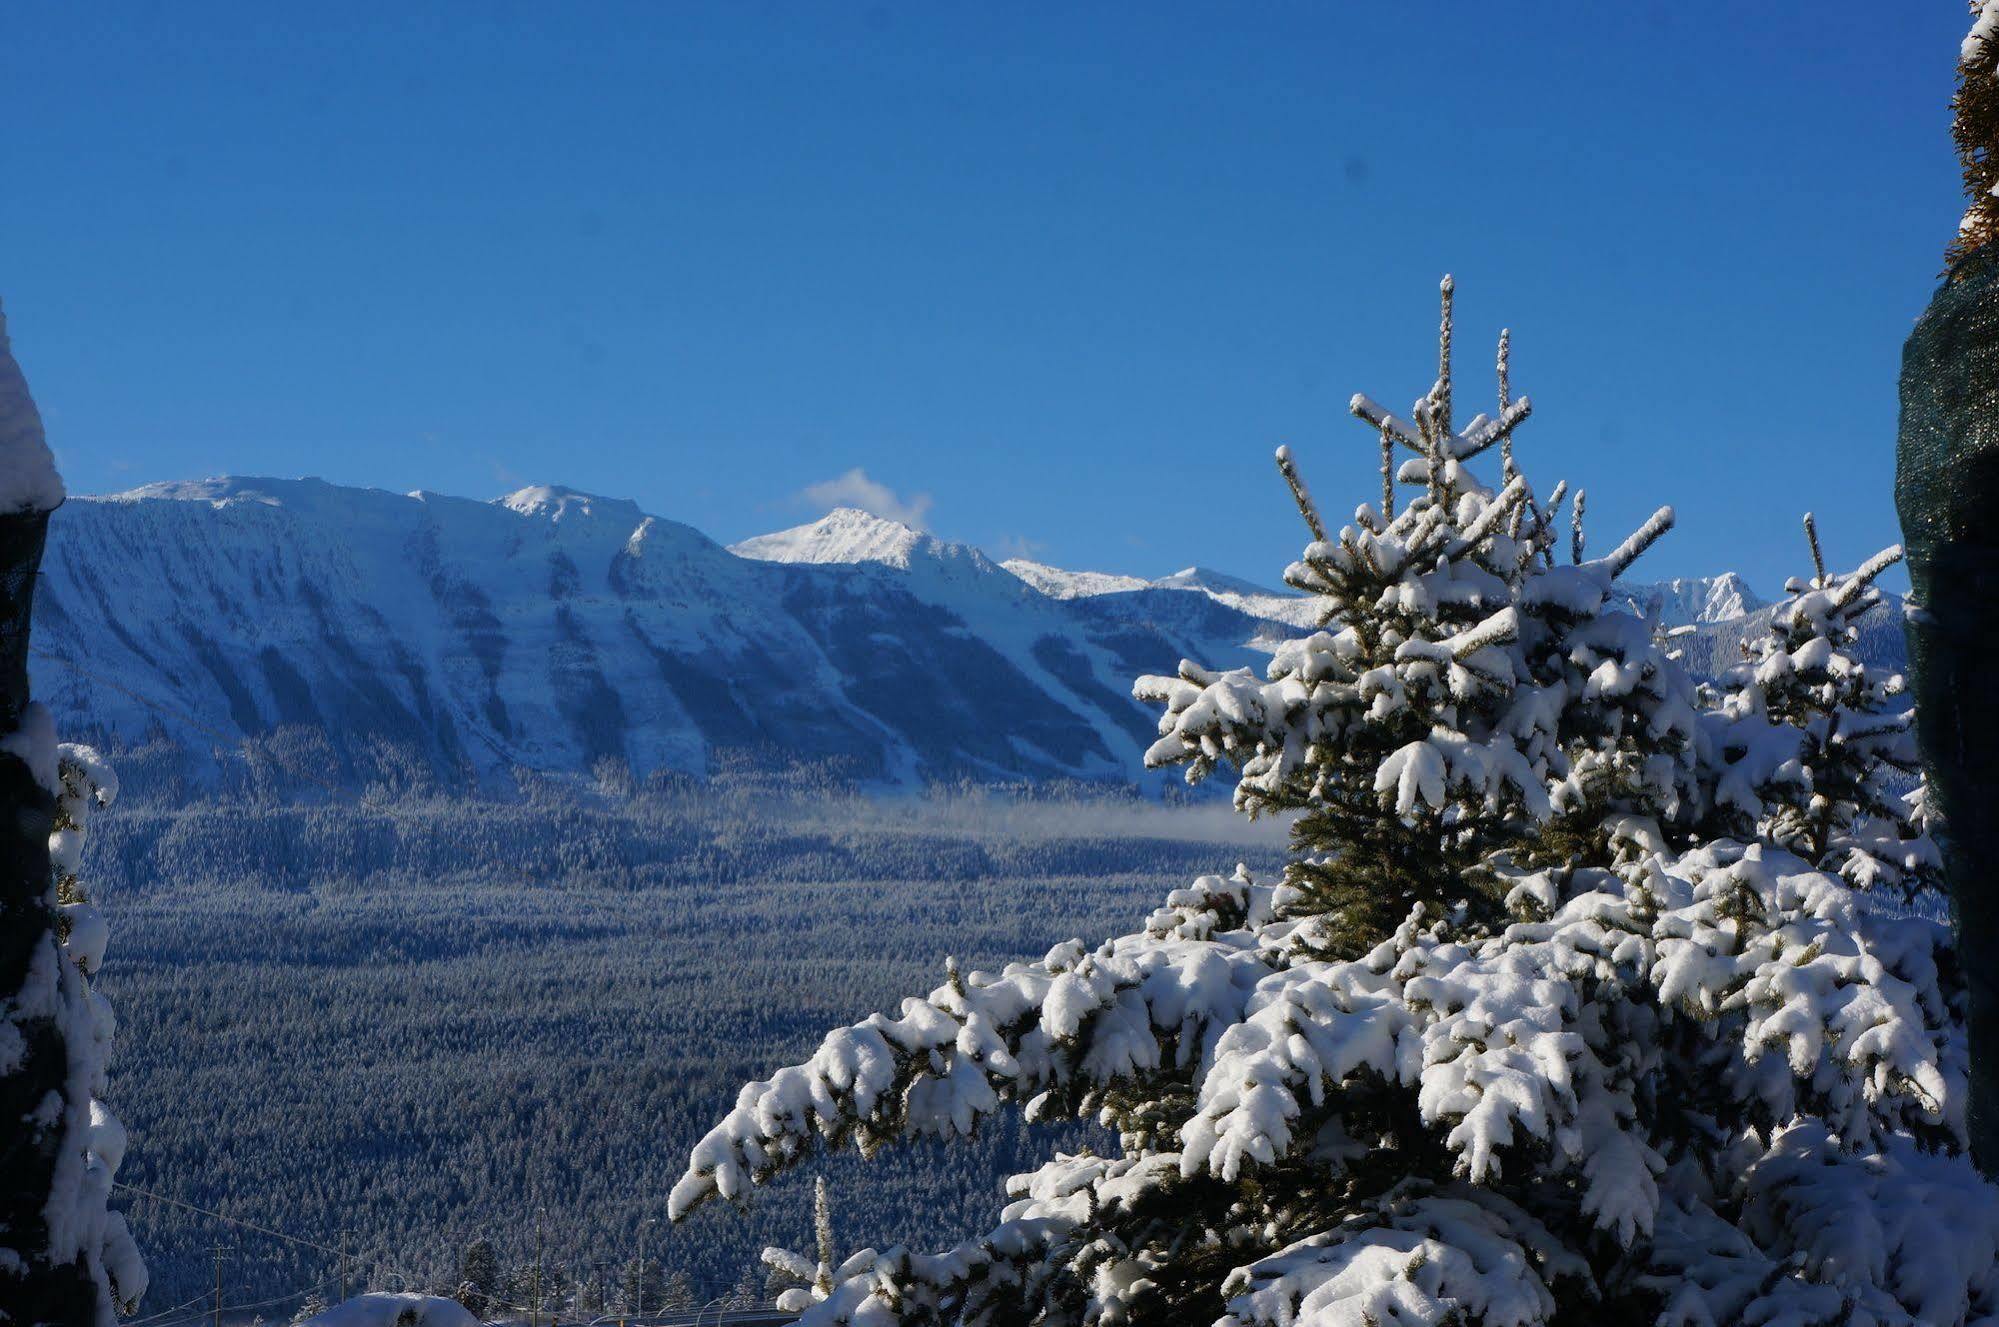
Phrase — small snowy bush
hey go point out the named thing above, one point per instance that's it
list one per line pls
(1514, 1039)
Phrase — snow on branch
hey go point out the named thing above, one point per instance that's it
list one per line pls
(1483, 433)
(1981, 44)
(1501, 628)
(1287, 466)
(1634, 546)
(1365, 407)
(1479, 435)
(1487, 521)
(1851, 588)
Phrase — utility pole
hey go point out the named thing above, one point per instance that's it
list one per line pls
(639, 1281)
(534, 1299)
(218, 1251)
(343, 1266)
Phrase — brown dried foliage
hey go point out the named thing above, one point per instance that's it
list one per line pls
(1975, 127)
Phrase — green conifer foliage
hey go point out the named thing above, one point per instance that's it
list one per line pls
(1461, 675)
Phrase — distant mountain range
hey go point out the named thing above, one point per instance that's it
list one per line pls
(369, 633)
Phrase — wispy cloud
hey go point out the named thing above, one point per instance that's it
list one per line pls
(1020, 546)
(855, 489)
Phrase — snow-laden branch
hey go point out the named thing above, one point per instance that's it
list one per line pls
(1487, 522)
(1981, 44)
(1619, 559)
(1851, 587)
(1288, 467)
(1509, 1047)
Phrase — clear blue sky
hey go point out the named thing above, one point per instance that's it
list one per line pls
(1067, 273)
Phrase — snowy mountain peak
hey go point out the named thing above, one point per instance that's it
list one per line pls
(557, 504)
(845, 534)
(1697, 600)
(216, 491)
(1057, 583)
(223, 491)
(552, 628)
(1214, 582)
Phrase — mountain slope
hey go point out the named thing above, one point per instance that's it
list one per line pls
(363, 631)
(351, 635)
(1288, 607)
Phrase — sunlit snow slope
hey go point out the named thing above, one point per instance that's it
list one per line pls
(551, 630)
(356, 633)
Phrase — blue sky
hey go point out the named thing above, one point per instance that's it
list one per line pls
(1057, 277)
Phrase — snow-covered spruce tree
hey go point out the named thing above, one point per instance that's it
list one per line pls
(1475, 696)
(1814, 750)
(1597, 1072)
(64, 1256)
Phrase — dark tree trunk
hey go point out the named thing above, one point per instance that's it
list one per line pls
(48, 1292)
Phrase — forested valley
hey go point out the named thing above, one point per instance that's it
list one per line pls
(399, 1021)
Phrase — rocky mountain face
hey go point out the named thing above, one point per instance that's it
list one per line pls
(351, 631)
(351, 635)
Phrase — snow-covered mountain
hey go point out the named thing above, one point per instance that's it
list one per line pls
(1696, 600)
(355, 633)
(1283, 606)
(357, 629)
(848, 534)
(1692, 601)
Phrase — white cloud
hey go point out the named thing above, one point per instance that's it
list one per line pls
(855, 489)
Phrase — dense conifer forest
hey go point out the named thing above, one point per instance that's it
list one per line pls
(399, 1022)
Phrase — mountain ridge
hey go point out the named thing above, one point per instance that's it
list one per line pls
(368, 634)
(553, 630)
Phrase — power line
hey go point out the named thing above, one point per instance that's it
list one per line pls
(275, 1299)
(342, 1254)
(154, 1319)
(163, 1313)
(247, 1225)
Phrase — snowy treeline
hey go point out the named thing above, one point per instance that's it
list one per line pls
(1544, 1020)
